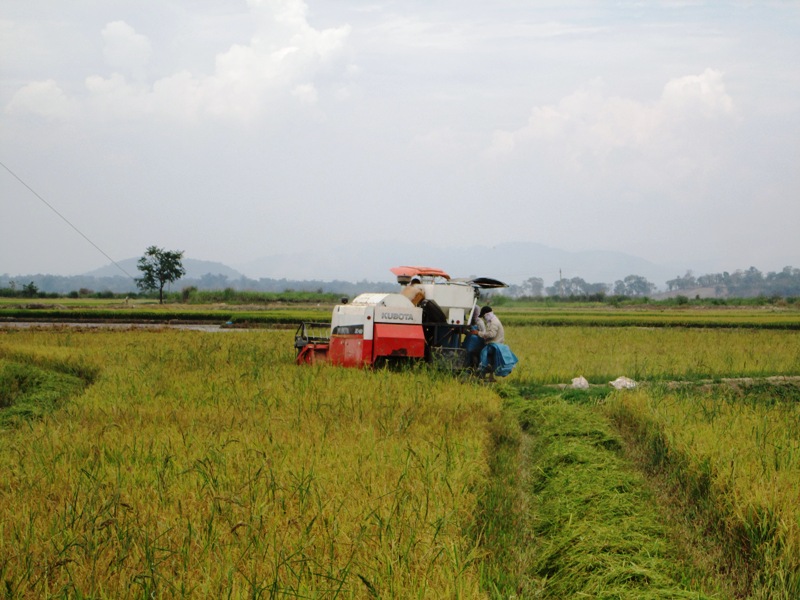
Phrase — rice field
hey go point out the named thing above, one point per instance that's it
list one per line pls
(766, 317)
(731, 455)
(208, 465)
(163, 463)
(555, 355)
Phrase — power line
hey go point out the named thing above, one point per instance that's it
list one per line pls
(63, 218)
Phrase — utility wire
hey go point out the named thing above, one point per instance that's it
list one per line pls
(63, 218)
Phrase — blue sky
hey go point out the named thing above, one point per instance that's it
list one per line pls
(240, 129)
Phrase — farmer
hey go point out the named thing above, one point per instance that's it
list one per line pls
(473, 342)
(495, 357)
(493, 333)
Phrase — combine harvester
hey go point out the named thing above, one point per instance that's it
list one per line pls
(427, 320)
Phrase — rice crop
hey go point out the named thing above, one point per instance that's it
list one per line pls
(209, 465)
(189, 464)
(593, 529)
(656, 316)
(27, 391)
(714, 420)
(557, 354)
(169, 314)
(732, 454)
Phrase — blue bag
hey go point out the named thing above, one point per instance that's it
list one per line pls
(502, 357)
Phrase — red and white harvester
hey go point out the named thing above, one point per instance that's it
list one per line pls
(426, 320)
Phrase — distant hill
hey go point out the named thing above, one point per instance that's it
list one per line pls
(512, 262)
(361, 267)
(195, 269)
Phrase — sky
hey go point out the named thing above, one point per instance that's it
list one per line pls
(240, 129)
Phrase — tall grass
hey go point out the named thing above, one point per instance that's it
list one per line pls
(557, 354)
(586, 525)
(655, 316)
(209, 465)
(203, 465)
(733, 457)
(27, 391)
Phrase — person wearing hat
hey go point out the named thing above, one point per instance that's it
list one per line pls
(493, 337)
(493, 334)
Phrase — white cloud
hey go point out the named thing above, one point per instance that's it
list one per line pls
(125, 49)
(283, 54)
(281, 60)
(180, 95)
(42, 98)
(306, 93)
(595, 135)
(698, 95)
(115, 97)
(585, 121)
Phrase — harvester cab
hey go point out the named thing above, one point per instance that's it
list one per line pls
(425, 320)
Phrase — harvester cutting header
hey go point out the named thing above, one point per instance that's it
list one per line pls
(428, 319)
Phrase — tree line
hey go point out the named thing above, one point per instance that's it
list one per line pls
(634, 286)
(743, 283)
(160, 268)
(748, 283)
(158, 262)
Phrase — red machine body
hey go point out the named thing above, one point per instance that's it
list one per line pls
(371, 328)
(426, 319)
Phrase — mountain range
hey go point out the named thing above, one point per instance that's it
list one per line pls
(195, 269)
(356, 267)
(512, 262)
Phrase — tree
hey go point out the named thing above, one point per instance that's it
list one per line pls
(575, 287)
(29, 290)
(633, 285)
(686, 282)
(158, 267)
(533, 286)
(530, 288)
(786, 283)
